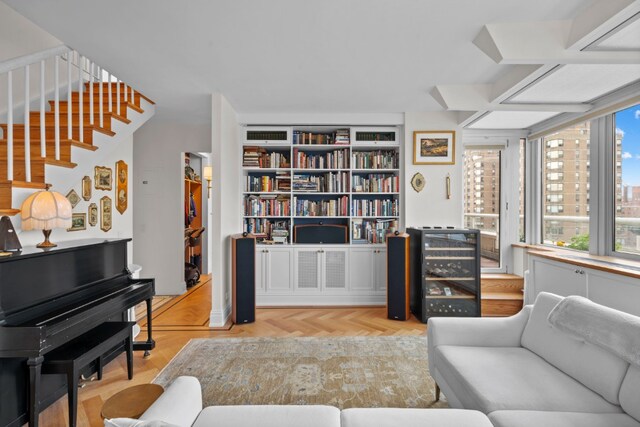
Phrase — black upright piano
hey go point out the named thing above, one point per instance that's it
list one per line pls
(49, 297)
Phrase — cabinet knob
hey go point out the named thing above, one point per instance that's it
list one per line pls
(581, 271)
(576, 271)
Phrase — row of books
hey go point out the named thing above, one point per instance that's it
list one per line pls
(267, 205)
(332, 207)
(266, 183)
(327, 183)
(266, 230)
(380, 159)
(258, 157)
(376, 183)
(378, 207)
(337, 159)
(340, 136)
(372, 231)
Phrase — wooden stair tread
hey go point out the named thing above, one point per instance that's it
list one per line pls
(9, 212)
(502, 296)
(25, 184)
(500, 276)
(82, 145)
(60, 163)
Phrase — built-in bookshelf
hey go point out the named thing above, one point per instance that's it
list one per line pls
(337, 175)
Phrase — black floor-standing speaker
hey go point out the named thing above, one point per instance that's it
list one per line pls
(243, 252)
(398, 276)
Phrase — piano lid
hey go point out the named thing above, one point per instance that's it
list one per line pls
(69, 245)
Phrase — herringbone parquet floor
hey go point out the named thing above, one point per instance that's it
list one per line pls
(183, 318)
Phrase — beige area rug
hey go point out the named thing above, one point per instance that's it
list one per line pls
(345, 372)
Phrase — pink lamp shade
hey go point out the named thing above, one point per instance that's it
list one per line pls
(46, 210)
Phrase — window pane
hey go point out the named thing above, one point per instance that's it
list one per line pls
(521, 188)
(482, 201)
(627, 179)
(565, 187)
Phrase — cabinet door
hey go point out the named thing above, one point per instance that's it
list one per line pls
(335, 269)
(614, 290)
(307, 269)
(361, 269)
(260, 276)
(380, 270)
(558, 278)
(279, 266)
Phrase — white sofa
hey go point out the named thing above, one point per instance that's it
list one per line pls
(523, 372)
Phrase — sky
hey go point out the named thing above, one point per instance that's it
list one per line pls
(628, 121)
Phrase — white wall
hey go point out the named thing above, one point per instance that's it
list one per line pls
(158, 182)
(431, 207)
(19, 36)
(226, 200)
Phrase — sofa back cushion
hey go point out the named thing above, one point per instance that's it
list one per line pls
(630, 392)
(594, 367)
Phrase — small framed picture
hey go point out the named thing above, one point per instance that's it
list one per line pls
(73, 198)
(106, 214)
(78, 222)
(93, 214)
(434, 147)
(103, 178)
(86, 188)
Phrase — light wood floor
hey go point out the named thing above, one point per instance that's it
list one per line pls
(178, 320)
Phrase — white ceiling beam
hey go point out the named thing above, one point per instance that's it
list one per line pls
(542, 43)
(598, 19)
(478, 98)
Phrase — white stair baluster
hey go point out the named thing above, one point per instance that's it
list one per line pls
(69, 103)
(27, 129)
(118, 96)
(10, 126)
(126, 93)
(109, 90)
(133, 98)
(81, 97)
(101, 99)
(56, 114)
(91, 70)
(43, 139)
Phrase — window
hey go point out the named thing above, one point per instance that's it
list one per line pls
(484, 214)
(566, 207)
(627, 181)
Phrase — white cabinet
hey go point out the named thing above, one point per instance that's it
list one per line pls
(321, 269)
(609, 289)
(368, 268)
(380, 270)
(274, 267)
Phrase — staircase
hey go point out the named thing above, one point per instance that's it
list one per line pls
(502, 294)
(54, 138)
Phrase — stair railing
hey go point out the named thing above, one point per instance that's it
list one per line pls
(76, 64)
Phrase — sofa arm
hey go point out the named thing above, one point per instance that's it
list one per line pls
(475, 332)
(179, 405)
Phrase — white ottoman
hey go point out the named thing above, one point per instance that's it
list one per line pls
(393, 417)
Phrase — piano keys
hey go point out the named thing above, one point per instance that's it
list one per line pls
(49, 297)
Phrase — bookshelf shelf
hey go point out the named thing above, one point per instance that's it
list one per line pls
(292, 188)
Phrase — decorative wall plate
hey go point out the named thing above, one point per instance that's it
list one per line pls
(93, 214)
(73, 198)
(417, 182)
(86, 188)
(103, 178)
(122, 189)
(106, 214)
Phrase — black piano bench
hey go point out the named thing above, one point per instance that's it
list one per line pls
(80, 352)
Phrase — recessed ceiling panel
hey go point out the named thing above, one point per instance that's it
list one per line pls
(627, 38)
(575, 83)
(511, 119)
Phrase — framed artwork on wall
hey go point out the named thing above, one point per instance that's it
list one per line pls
(73, 198)
(86, 188)
(106, 214)
(122, 181)
(103, 178)
(78, 222)
(434, 147)
(93, 214)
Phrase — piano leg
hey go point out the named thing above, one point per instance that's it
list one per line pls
(35, 369)
(150, 344)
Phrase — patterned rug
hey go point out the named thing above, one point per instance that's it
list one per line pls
(345, 372)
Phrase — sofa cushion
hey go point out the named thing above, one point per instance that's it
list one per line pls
(594, 367)
(269, 416)
(559, 419)
(630, 392)
(393, 417)
(495, 378)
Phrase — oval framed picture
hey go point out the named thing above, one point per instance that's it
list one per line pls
(417, 182)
